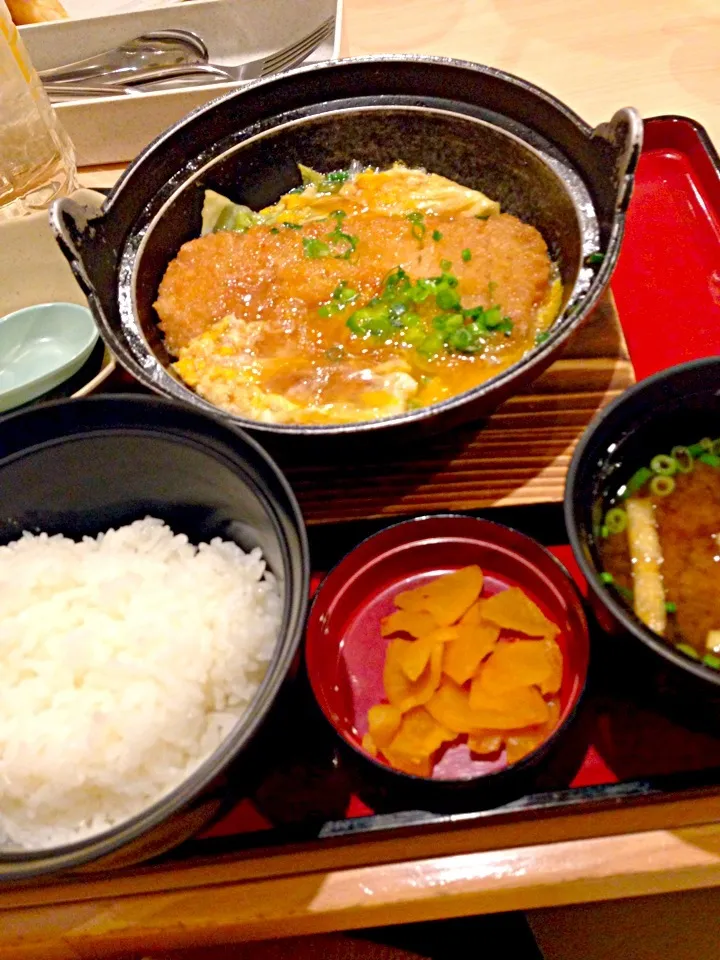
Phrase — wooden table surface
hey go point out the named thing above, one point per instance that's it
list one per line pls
(660, 57)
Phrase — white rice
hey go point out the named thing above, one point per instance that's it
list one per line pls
(124, 662)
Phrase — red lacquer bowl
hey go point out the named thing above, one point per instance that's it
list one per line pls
(345, 652)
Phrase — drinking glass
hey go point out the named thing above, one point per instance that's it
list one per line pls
(37, 159)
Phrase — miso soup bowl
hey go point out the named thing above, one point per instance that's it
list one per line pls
(676, 406)
(473, 124)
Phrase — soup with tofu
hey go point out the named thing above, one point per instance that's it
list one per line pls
(660, 548)
(360, 295)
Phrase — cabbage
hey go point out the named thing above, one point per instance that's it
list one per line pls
(219, 213)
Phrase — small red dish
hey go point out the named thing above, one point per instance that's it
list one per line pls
(345, 651)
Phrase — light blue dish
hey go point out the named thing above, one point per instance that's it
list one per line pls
(42, 347)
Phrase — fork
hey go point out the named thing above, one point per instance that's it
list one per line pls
(149, 78)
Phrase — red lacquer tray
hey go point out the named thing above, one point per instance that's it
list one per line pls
(622, 755)
(667, 287)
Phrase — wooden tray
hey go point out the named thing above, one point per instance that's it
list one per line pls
(519, 456)
(642, 799)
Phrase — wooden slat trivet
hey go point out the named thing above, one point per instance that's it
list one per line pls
(519, 455)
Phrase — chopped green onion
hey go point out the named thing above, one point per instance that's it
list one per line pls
(342, 296)
(447, 299)
(541, 337)
(314, 248)
(688, 650)
(436, 235)
(663, 465)
(413, 336)
(662, 486)
(710, 459)
(637, 481)
(683, 459)
(418, 227)
(344, 293)
(493, 318)
(274, 230)
(594, 259)
(706, 443)
(292, 226)
(604, 532)
(616, 520)
(670, 607)
(397, 280)
(466, 255)
(373, 320)
(445, 265)
(710, 660)
(454, 322)
(337, 236)
(338, 176)
(478, 334)
(460, 339)
(432, 344)
(607, 577)
(695, 449)
(482, 216)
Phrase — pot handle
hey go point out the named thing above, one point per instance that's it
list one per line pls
(73, 224)
(621, 140)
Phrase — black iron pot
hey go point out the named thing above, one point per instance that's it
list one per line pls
(474, 124)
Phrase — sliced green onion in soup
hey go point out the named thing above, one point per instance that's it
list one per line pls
(663, 465)
(662, 486)
(688, 650)
(637, 481)
(615, 520)
(683, 459)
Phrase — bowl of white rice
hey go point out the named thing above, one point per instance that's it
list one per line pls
(153, 590)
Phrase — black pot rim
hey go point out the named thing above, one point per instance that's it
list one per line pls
(630, 623)
(20, 864)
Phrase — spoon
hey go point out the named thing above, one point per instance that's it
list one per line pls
(161, 48)
(40, 348)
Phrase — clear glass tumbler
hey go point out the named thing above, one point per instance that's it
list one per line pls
(37, 159)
